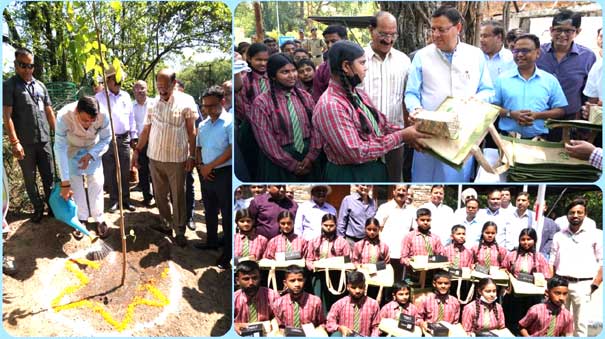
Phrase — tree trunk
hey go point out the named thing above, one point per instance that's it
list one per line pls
(471, 13)
(413, 20)
(14, 39)
(258, 20)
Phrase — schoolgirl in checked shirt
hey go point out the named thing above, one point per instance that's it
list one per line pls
(286, 241)
(487, 252)
(370, 249)
(281, 122)
(484, 313)
(247, 242)
(355, 135)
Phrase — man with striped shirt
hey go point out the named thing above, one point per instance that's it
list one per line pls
(385, 80)
(169, 128)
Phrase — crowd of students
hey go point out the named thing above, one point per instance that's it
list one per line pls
(494, 307)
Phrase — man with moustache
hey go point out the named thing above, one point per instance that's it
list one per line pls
(307, 223)
(29, 121)
(125, 129)
(169, 130)
(494, 213)
(441, 214)
(265, 208)
(385, 80)
(470, 221)
(251, 302)
(505, 200)
(397, 220)
(491, 42)
(355, 209)
(576, 256)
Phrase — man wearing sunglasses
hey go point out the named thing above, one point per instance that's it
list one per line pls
(568, 61)
(528, 95)
(29, 121)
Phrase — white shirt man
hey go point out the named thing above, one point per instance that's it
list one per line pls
(396, 219)
(307, 223)
(442, 215)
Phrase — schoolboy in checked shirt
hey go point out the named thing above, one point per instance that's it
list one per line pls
(439, 305)
(420, 241)
(550, 318)
(456, 253)
(355, 313)
(297, 307)
(251, 302)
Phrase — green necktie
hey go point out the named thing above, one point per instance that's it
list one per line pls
(252, 314)
(427, 245)
(324, 249)
(551, 326)
(441, 312)
(488, 257)
(288, 246)
(373, 254)
(297, 134)
(367, 112)
(296, 315)
(263, 85)
(246, 247)
(457, 258)
(399, 312)
(486, 318)
(357, 319)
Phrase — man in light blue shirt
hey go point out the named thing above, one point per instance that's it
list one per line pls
(355, 209)
(307, 223)
(528, 94)
(213, 156)
(491, 42)
(447, 67)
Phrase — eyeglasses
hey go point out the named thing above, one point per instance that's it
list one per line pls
(24, 65)
(568, 31)
(384, 35)
(441, 30)
(523, 51)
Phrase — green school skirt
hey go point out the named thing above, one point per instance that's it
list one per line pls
(270, 172)
(372, 171)
(248, 146)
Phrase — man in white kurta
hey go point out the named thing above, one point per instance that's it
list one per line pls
(447, 67)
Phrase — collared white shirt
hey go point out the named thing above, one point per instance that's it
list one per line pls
(385, 82)
(501, 217)
(307, 223)
(518, 223)
(563, 222)
(121, 111)
(396, 222)
(577, 255)
(442, 217)
(168, 138)
(140, 112)
(499, 63)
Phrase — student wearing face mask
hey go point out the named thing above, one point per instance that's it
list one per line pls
(281, 122)
(355, 135)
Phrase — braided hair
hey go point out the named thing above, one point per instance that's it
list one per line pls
(253, 50)
(482, 242)
(480, 286)
(276, 62)
(366, 240)
(341, 51)
(530, 232)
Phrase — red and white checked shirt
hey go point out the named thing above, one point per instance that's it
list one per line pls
(392, 310)
(243, 105)
(596, 158)
(337, 248)
(339, 126)
(362, 252)
(342, 313)
(256, 244)
(263, 299)
(472, 323)
(271, 135)
(514, 264)
(413, 244)
(537, 320)
(310, 307)
(497, 254)
(278, 244)
(466, 256)
(429, 310)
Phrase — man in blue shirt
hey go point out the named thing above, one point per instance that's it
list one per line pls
(491, 41)
(527, 94)
(355, 209)
(568, 61)
(213, 142)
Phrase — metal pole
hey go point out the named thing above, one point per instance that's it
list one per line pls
(277, 14)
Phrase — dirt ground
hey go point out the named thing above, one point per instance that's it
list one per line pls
(197, 293)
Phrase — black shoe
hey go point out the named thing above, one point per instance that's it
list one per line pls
(181, 240)
(37, 216)
(113, 207)
(148, 202)
(191, 224)
(206, 246)
(164, 229)
(130, 208)
(223, 263)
